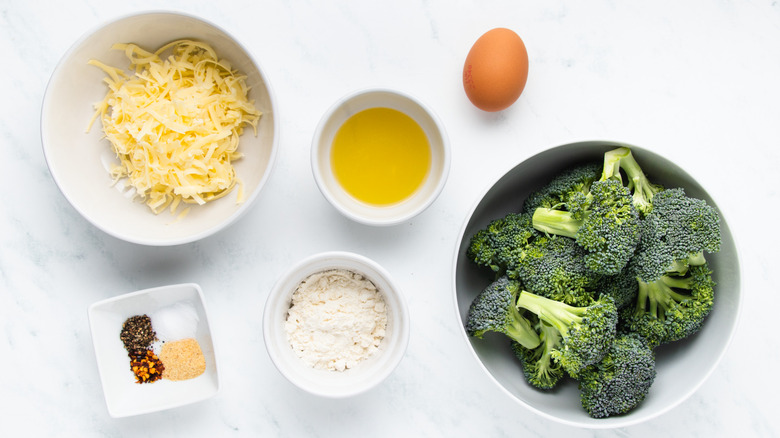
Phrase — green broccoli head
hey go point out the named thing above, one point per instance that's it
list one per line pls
(621, 380)
(569, 186)
(499, 245)
(607, 226)
(554, 267)
(610, 231)
(672, 307)
(586, 331)
(623, 287)
(676, 228)
(539, 368)
(494, 310)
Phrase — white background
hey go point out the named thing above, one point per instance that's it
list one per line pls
(695, 81)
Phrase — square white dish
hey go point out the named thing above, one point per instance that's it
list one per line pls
(124, 397)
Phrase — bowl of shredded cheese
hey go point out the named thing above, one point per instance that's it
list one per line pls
(159, 128)
(335, 325)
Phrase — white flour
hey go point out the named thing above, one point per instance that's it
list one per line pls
(336, 319)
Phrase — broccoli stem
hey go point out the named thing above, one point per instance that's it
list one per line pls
(555, 313)
(557, 222)
(677, 282)
(680, 267)
(641, 187)
(551, 339)
(632, 169)
(657, 297)
(697, 259)
(612, 161)
(521, 331)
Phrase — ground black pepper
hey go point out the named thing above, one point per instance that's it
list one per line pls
(137, 333)
(137, 336)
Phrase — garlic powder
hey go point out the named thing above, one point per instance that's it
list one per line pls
(337, 318)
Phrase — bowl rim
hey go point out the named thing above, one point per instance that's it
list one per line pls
(295, 272)
(249, 198)
(315, 157)
(617, 421)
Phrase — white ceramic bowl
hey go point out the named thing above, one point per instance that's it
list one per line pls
(367, 373)
(343, 201)
(682, 366)
(123, 396)
(78, 161)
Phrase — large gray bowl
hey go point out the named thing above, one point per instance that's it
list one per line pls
(682, 366)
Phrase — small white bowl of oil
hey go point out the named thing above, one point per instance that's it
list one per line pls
(380, 157)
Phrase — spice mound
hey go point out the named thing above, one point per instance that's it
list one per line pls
(337, 319)
(146, 366)
(174, 354)
(137, 336)
(177, 321)
(184, 359)
(137, 333)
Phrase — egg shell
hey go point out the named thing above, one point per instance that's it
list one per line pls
(496, 70)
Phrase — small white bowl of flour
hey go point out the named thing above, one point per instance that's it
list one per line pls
(335, 325)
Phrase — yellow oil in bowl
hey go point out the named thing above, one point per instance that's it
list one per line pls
(380, 156)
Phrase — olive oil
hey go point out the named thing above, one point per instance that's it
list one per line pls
(380, 156)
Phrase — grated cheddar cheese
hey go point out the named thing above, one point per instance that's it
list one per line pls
(175, 122)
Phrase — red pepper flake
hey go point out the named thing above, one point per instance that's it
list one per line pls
(146, 366)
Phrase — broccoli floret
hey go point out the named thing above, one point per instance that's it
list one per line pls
(574, 182)
(642, 190)
(621, 380)
(494, 310)
(585, 332)
(622, 287)
(675, 284)
(607, 226)
(554, 267)
(677, 228)
(672, 307)
(539, 367)
(499, 245)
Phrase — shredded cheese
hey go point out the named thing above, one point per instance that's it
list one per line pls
(174, 123)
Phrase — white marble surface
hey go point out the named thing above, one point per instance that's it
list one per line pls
(696, 81)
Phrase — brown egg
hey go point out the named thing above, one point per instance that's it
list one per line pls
(496, 70)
